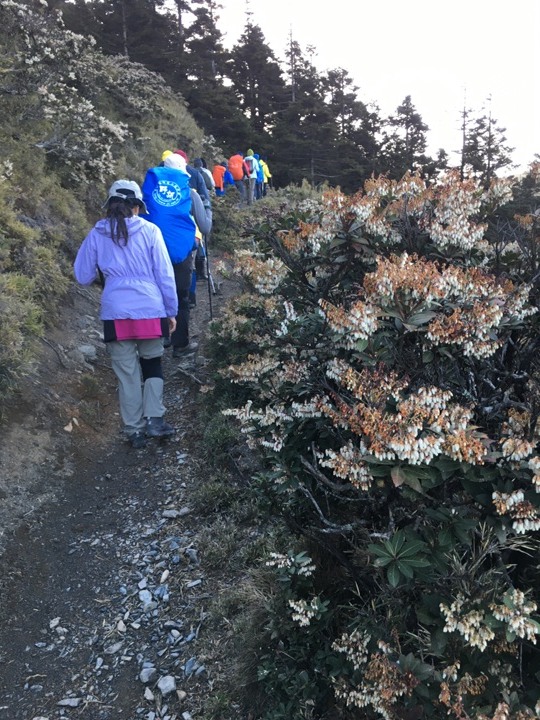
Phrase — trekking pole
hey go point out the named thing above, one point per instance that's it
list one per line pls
(209, 276)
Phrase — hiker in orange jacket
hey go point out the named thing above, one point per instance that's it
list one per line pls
(218, 172)
(222, 177)
(238, 169)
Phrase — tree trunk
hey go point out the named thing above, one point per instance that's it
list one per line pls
(124, 29)
(180, 8)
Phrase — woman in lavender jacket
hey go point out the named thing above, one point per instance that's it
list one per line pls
(138, 306)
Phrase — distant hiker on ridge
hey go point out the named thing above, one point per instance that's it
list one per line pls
(239, 170)
(252, 170)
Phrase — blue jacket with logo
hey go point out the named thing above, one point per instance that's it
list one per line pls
(167, 194)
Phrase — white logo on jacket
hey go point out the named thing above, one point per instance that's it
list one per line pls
(167, 193)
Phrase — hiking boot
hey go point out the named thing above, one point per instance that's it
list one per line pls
(158, 428)
(200, 269)
(137, 440)
(186, 350)
(167, 342)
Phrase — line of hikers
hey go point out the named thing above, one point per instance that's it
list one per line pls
(250, 175)
(149, 266)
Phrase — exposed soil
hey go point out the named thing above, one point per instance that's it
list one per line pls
(89, 526)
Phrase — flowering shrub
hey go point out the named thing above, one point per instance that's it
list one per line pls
(386, 368)
(86, 106)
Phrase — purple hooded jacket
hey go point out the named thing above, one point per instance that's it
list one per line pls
(139, 277)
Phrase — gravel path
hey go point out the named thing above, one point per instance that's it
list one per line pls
(104, 591)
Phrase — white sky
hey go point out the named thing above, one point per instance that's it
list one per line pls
(439, 54)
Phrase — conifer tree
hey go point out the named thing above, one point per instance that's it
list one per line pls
(212, 103)
(133, 28)
(257, 78)
(306, 133)
(357, 128)
(485, 146)
(343, 100)
(405, 141)
(78, 15)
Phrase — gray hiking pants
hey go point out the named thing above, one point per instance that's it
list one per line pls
(138, 399)
(250, 189)
(240, 186)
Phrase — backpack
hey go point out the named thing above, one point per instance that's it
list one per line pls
(167, 195)
(236, 167)
(249, 163)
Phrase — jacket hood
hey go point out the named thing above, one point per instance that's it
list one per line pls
(103, 227)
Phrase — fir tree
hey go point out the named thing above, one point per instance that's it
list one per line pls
(212, 102)
(485, 146)
(405, 142)
(357, 146)
(257, 79)
(306, 134)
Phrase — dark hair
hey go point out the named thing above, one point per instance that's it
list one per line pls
(117, 212)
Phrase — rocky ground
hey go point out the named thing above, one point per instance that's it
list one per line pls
(108, 588)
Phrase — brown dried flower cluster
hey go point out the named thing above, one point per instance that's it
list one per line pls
(471, 306)
(424, 424)
(383, 683)
(265, 275)
(358, 322)
(525, 515)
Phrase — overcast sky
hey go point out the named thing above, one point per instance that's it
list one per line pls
(441, 54)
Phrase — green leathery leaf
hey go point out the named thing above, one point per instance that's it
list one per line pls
(394, 575)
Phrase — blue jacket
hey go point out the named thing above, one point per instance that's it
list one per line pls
(167, 194)
(196, 181)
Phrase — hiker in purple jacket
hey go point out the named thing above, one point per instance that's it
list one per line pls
(138, 305)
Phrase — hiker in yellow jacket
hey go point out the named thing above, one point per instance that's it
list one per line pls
(267, 174)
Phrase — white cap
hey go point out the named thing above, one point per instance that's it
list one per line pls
(176, 161)
(126, 190)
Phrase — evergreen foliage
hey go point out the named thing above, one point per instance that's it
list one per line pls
(212, 102)
(247, 98)
(405, 141)
(485, 148)
(257, 79)
(384, 360)
(306, 133)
